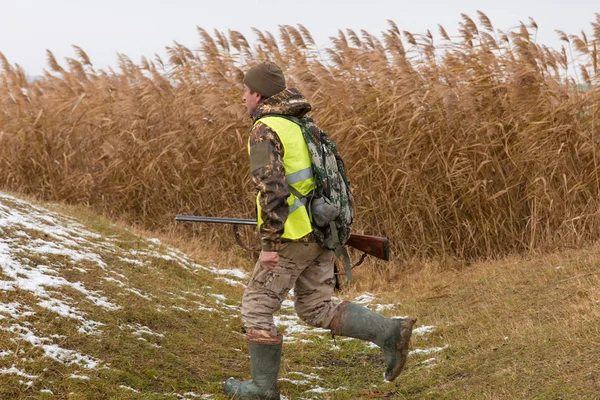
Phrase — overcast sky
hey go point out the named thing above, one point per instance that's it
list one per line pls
(144, 27)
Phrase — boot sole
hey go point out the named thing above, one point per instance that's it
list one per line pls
(402, 347)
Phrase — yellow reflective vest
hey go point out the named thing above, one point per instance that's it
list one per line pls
(298, 174)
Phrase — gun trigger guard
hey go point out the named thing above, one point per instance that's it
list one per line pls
(362, 258)
(238, 240)
(360, 261)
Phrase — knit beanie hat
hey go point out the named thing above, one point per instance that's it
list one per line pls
(265, 79)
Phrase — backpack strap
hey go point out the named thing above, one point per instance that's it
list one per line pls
(340, 249)
(322, 147)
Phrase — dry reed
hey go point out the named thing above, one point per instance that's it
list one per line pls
(477, 146)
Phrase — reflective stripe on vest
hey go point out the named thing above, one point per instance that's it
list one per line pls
(298, 174)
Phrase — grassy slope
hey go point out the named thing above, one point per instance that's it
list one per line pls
(516, 328)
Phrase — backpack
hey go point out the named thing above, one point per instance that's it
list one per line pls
(330, 203)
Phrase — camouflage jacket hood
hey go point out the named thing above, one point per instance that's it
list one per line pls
(287, 102)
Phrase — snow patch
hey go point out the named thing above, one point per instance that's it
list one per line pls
(428, 351)
(422, 330)
(81, 377)
(129, 388)
(15, 371)
(53, 351)
(365, 298)
(231, 282)
(12, 309)
(139, 330)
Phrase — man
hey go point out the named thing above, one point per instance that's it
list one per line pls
(290, 256)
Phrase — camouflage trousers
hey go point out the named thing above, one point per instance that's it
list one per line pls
(305, 267)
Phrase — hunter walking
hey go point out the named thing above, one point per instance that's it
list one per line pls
(295, 252)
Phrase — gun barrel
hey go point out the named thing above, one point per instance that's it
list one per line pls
(215, 220)
(373, 245)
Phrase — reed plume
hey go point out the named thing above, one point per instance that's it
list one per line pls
(479, 146)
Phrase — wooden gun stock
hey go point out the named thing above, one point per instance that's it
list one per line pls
(373, 245)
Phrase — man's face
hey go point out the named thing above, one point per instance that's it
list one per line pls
(251, 99)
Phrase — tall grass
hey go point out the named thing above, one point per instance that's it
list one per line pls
(472, 146)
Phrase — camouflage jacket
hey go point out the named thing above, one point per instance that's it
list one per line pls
(269, 176)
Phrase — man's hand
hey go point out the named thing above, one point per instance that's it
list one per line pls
(268, 259)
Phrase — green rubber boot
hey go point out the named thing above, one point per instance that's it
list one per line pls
(265, 358)
(392, 335)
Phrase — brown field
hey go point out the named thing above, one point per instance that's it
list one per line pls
(516, 328)
(469, 147)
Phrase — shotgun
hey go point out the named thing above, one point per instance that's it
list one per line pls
(375, 246)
